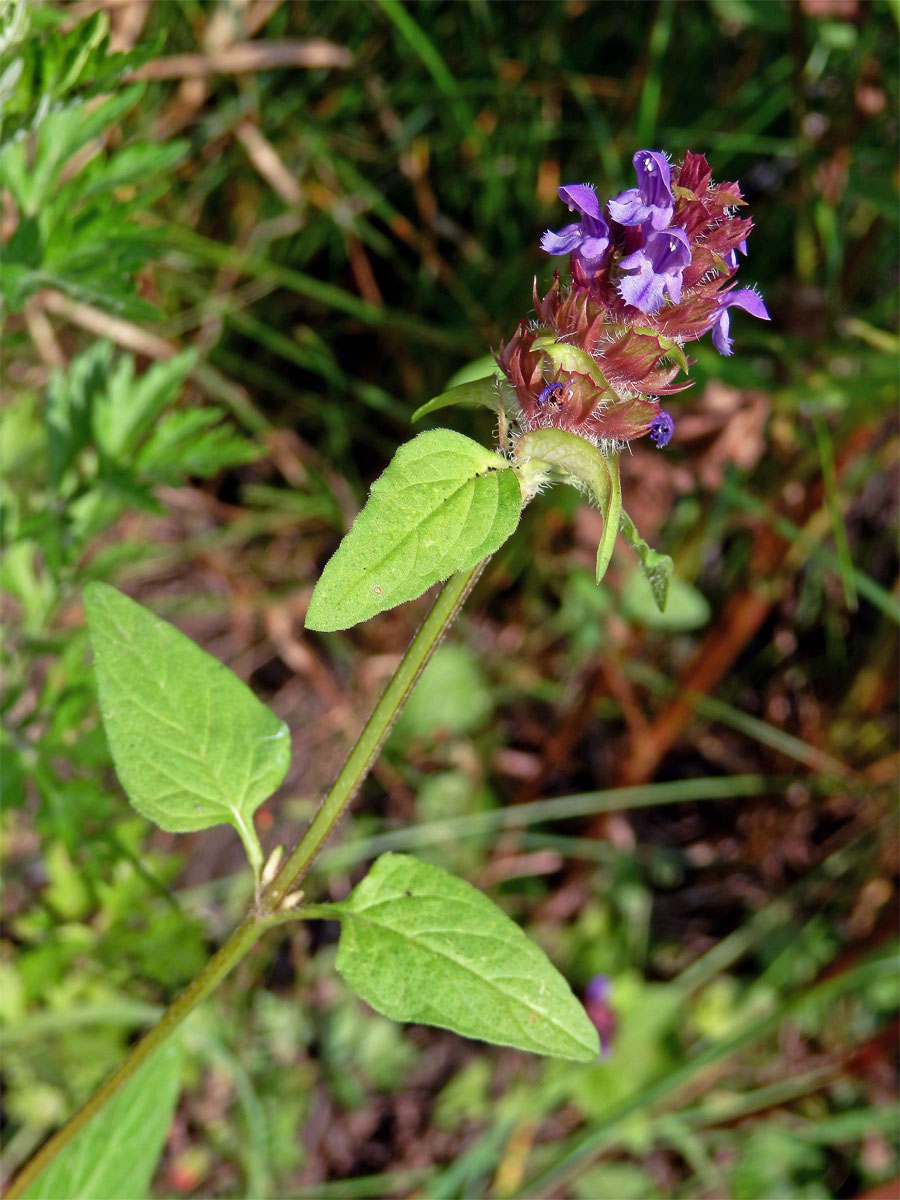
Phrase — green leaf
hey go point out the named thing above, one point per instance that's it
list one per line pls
(484, 391)
(443, 504)
(686, 607)
(611, 516)
(70, 395)
(478, 368)
(128, 407)
(194, 441)
(117, 1152)
(418, 944)
(657, 567)
(192, 745)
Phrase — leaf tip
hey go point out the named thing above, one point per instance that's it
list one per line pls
(93, 596)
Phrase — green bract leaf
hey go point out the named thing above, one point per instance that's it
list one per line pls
(572, 459)
(553, 454)
(671, 349)
(443, 504)
(610, 519)
(117, 1152)
(657, 567)
(482, 391)
(566, 357)
(193, 746)
(418, 944)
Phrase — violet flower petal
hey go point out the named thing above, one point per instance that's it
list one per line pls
(745, 298)
(581, 198)
(589, 239)
(628, 208)
(660, 264)
(645, 290)
(564, 241)
(652, 200)
(720, 328)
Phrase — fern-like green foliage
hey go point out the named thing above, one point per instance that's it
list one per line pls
(76, 200)
(101, 442)
(47, 66)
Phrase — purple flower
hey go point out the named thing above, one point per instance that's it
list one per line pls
(549, 390)
(731, 258)
(661, 429)
(652, 199)
(589, 239)
(659, 265)
(744, 298)
(600, 1011)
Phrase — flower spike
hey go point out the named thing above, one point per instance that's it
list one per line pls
(652, 270)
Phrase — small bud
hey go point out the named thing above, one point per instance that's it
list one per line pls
(270, 870)
(661, 429)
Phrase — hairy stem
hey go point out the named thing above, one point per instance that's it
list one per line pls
(266, 912)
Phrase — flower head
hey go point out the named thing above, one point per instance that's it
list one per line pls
(589, 238)
(653, 271)
(652, 199)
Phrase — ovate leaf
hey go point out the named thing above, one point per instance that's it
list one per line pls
(657, 567)
(418, 944)
(117, 1152)
(443, 504)
(192, 745)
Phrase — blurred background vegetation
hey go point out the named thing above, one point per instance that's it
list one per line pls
(242, 242)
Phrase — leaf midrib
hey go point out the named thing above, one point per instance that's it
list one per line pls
(404, 540)
(358, 916)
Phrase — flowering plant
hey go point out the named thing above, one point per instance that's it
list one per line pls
(193, 747)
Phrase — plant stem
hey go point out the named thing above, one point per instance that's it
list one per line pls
(362, 757)
(265, 913)
(198, 989)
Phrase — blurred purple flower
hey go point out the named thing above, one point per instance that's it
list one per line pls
(659, 265)
(744, 298)
(597, 1006)
(589, 239)
(652, 199)
(661, 429)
